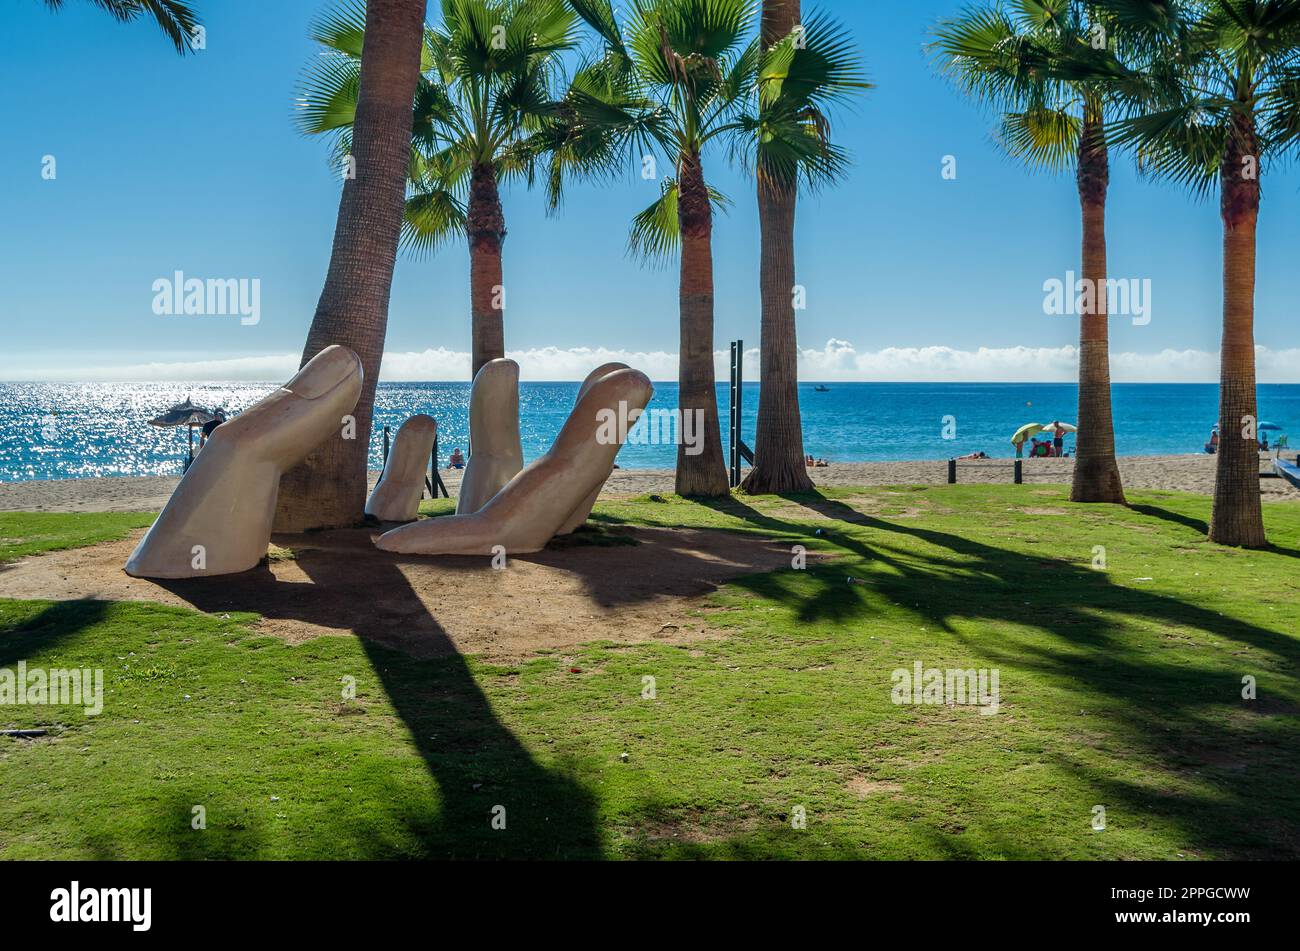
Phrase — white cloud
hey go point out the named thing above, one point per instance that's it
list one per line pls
(544, 363)
(840, 361)
(837, 361)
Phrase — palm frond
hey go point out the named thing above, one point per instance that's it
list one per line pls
(1184, 143)
(989, 57)
(433, 217)
(1042, 136)
(1220, 77)
(818, 65)
(1280, 112)
(327, 100)
(1043, 14)
(680, 45)
(790, 148)
(599, 16)
(175, 18)
(656, 234)
(800, 78)
(343, 29)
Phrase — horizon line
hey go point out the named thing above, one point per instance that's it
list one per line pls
(836, 361)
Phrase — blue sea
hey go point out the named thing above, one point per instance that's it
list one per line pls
(73, 430)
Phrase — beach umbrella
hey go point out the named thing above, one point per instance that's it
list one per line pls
(185, 414)
(1064, 427)
(1269, 428)
(1024, 433)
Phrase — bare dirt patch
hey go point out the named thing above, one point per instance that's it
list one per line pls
(338, 583)
(862, 787)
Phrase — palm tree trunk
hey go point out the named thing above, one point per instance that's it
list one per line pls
(1237, 518)
(329, 489)
(1096, 473)
(778, 444)
(700, 469)
(486, 230)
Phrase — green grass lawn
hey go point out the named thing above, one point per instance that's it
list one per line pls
(1118, 687)
(29, 533)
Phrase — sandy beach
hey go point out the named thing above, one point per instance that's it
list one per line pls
(1187, 473)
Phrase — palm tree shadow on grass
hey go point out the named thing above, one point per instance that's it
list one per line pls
(475, 759)
(55, 623)
(1199, 525)
(1190, 719)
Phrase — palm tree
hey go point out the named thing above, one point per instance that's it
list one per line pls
(1217, 102)
(485, 88)
(329, 489)
(1009, 57)
(797, 80)
(679, 79)
(674, 80)
(174, 17)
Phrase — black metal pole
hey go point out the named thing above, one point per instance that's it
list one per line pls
(740, 408)
(737, 353)
(952, 471)
(434, 482)
(1020, 472)
(743, 453)
(731, 418)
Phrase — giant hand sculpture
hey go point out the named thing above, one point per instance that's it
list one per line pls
(397, 495)
(495, 455)
(218, 521)
(579, 516)
(537, 502)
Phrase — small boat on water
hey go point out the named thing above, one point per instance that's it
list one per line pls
(821, 389)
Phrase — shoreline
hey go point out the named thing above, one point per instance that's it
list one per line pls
(1184, 473)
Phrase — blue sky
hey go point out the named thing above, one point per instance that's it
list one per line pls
(167, 163)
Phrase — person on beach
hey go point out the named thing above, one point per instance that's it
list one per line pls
(210, 427)
(456, 460)
(1058, 439)
(1213, 445)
